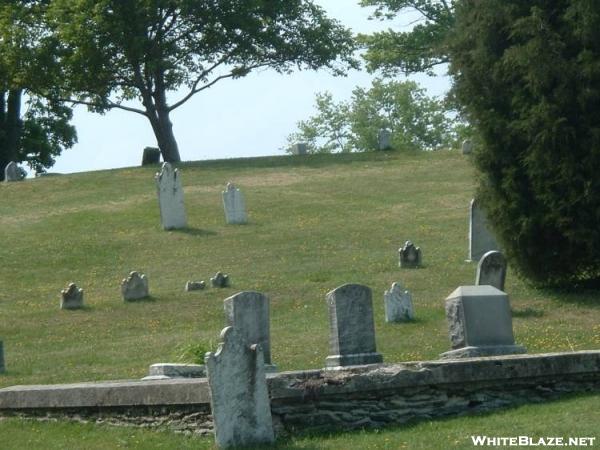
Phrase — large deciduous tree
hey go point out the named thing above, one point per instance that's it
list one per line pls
(32, 129)
(528, 75)
(116, 51)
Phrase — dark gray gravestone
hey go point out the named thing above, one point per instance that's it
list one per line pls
(71, 297)
(248, 312)
(384, 139)
(410, 256)
(299, 149)
(491, 270)
(151, 155)
(351, 328)
(12, 172)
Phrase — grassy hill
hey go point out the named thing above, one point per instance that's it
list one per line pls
(315, 223)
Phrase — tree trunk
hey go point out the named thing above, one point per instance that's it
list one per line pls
(163, 130)
(10, 127)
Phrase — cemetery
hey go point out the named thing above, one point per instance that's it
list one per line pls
(310, 322)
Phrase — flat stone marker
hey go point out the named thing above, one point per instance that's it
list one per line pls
(398, 304)
(134, 287)
(410, 256)
(248, 312)
(12, 172)
(2, 366)
(467, 147)
(351, 327)
(239, 398)
(220, 280)
(71, 297)
(480, 323)
(384, 139)
(491, 270)
(194, 286)
(174, 370)
(299, 149)
(481, 240)
(234, 205)
(151, 155)
(170, 198)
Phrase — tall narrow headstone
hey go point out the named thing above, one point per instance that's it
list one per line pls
(467, 147)
(170, 198)
(398, 304)
(481, 240)
(351, 327)
(384, 139)
(410, 256)
(151, 155)
(491, 270)
(71, 297)
(248, 312)
(480, 323)
(234, 205)
(12, 172)
(239, 397)
(134, 287)
(2, 366)
(299, 149)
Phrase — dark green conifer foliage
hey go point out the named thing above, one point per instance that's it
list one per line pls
(528, 76)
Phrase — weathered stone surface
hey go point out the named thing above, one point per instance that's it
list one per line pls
(299, 149)
(220, 280)
(12, 172)
(174, 370)
(2, 365)
(234, 205)
(384, 139)
(398, 304)
(351, 327)
(170, 198)
(248, 312)
(491, 270)
(151, 155)
(480, 322)
(409, 256)
(481, 240)
(71, 297)
(238, 393)
(134, 287)
(467, 147)
(195, 285)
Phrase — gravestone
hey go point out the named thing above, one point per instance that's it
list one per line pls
(384, 139)
(134, 287)
(71, 297)
(409, 255)
(491, 270)
(195, 286)
(249, 313)
(481, 240)
(2, 365)
(234, 205)
(467, 147)
(151, 155)
(239, 397)
(480, 323)
(299, 149)
(398, 304)
(220, 280)
(12, 172)
(351, 327)
(170, 198)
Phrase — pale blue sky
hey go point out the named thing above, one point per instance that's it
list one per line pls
(251, 116)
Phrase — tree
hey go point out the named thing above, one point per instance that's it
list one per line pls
(116, 51)
(419, 49)
(416, 122)
(40, 131)
(528, 75)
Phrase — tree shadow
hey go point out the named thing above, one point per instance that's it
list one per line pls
(148, 299)
(527, 312)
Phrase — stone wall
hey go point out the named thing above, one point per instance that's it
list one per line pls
(367, 396)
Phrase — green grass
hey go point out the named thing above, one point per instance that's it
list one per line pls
(576, 416)
(315, 223)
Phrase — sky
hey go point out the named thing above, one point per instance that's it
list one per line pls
(250, 116)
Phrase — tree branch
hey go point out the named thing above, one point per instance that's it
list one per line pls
(109, 105)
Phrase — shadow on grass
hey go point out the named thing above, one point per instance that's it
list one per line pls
(527, 312)
(195, 231)
(149, 299)
(413, 321)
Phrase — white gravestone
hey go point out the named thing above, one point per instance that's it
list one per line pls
(239, 397)
(481, 240)
(299, 149)
(170, 198)
(398, 304)
(71, 297)
(480, 323)
(134, 287)
(384, 139)
(491, 270)
(234, 205)
(12, 172)
(467, 147)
